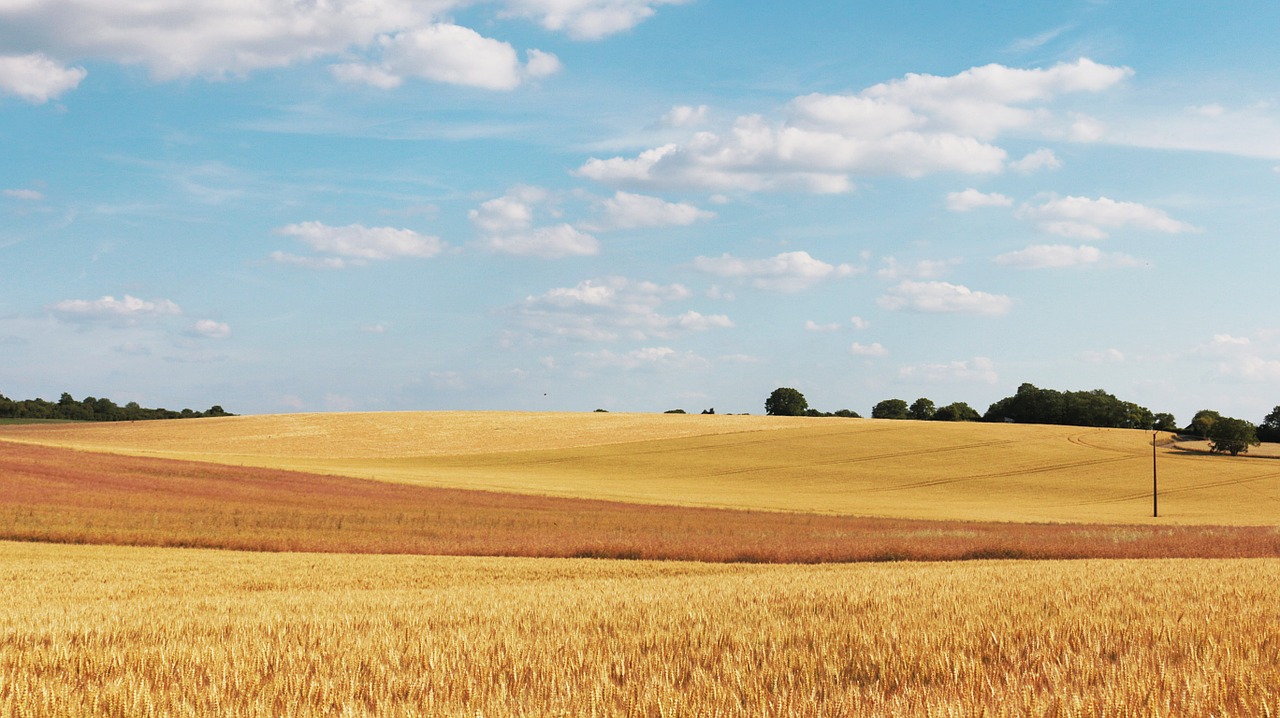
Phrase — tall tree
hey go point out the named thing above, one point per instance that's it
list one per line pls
(1232, 436)
(785, 401)
(922, 409)
(890, 409)
(1269, 429)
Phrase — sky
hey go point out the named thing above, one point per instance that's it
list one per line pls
(638, 205)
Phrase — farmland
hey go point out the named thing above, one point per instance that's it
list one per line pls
(789, 581)
(896, 469)
(128, 632)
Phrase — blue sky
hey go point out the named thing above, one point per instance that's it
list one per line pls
(638, 205)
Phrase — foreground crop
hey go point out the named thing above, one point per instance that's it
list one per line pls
(130, 632)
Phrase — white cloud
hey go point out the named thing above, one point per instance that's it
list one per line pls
(1107, 356)
(627, 211)
(507, 227)
(309, 262)
(786, 272)
(610, 309)
(212, 329)
(812, 326)
(646, 358)
(1050, 256)
(109, 308)
(1041, 159)
(918, 125)
(26, 195)
(587, 19)
(874, 350)
(684, 116)
(1247, 131)
(859, 323)
(1252, 368)
(971, 199)
(35, 78)
(356, 243)
(944, 297)
(978, 369)
(553, 242)
(924, 269)
(379, 42)
(1226, 340)
(1085, 218)
(450, 54)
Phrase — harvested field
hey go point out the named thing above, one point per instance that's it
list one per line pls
(893, 469)
(61, 495)
(128, 632)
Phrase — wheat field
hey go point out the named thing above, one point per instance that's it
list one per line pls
(165, 632)
(897, 469)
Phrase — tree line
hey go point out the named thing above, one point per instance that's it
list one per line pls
(93, 409)
(1033, 405)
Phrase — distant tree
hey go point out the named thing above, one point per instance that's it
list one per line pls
(785, 401)
(1269, 429)
(1202, 423)
(1232, 436)
(890, 409)
(958, 411)
(922, 409)
(847, 414)
(674, 411)
(1164, 421)
(709, 411)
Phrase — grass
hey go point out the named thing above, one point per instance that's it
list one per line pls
(136, 632)
(892, 469)
(49, 494)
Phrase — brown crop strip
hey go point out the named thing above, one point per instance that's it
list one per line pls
(59, 495)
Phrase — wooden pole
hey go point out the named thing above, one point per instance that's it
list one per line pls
(1155, 494)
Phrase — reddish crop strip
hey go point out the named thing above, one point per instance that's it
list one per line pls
(67, 496)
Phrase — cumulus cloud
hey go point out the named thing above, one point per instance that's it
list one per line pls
(450, 54)
(786, 272)
(976, 370)
(1086, 218)
(212, 329)
(1041, 159)
(628, 211)
(35, 78)
(507, 226)
(1243, 358)
(913, 126)
(1053, 256)
(684, 116)
(944, 297)
(108, 308)
(874, 350)
(609, 309)
(971, 199)
(355, 244)
(587, 19)
(859, 323)
(378, 42)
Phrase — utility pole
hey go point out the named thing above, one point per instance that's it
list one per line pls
(1155, 494)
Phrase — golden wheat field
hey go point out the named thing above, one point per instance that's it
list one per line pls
(132, 632)
(899, 469)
